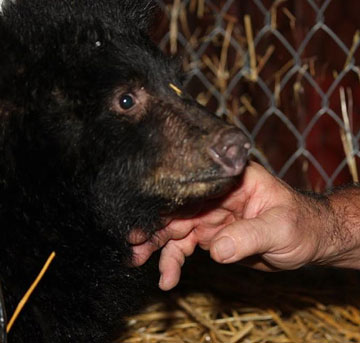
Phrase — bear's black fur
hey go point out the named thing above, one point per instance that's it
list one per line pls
(93, 143)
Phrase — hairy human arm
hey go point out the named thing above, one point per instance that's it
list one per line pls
(341, 237)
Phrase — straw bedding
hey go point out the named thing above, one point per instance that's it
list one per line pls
(229, 304)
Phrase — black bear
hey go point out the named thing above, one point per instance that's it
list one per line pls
(97, 138)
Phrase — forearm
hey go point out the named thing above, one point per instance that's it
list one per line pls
(337, 217)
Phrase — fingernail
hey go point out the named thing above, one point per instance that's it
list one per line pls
(225, 248)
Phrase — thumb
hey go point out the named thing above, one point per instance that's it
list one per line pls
(241, 239)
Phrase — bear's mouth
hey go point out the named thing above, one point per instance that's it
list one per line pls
(208, 180)
(208, 187)
(186, 196)
(178, 190)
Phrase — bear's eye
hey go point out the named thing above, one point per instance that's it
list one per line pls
(129, 102)
(126, 102)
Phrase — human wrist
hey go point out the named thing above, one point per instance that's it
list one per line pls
(342, 230)
(331, 227)
(314, 218)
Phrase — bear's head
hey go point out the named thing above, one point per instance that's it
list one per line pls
(98, 108)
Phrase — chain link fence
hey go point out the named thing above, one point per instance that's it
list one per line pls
(284, 71)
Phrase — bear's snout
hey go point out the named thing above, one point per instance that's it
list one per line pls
(230, 151)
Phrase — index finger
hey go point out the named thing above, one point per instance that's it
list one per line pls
(176, 229)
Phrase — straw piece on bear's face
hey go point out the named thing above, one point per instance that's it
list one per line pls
(177, 90)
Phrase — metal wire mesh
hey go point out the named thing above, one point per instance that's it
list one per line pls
(283, 71)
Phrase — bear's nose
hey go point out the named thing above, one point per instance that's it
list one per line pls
(230, 151)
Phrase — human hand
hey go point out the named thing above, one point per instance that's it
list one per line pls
(263, 223)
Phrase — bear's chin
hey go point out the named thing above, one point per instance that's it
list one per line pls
(186, 199)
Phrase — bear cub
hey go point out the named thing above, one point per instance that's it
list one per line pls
(97, 137)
